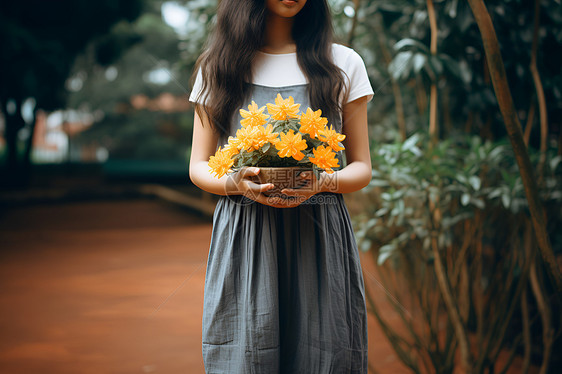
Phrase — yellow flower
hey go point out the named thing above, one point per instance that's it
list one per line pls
(265, 135)
(234, 143)
(253, 116)
(325, 158)
(330, 136)
(312, 122)
(291, 145)
(283, 108)
(230, 150)
(220, 163)
(246, 136)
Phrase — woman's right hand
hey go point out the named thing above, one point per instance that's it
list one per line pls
(240, 183)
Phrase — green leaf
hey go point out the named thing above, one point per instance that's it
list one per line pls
(506, 200)
(365, 245)
(293, 127)
(554, 162)
(410, 142)
(451, 65)
(379, 183)
(381, 212)
(475, 182)
(479, 203)
(385, 252)
(386, 196)
(419, 62)
(436, 64)
(411, 43)
(399, 66)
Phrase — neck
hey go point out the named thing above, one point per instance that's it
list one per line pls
(278, 38)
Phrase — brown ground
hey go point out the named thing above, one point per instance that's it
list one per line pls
(111, 287)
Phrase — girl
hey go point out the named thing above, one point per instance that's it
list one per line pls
(284, 288)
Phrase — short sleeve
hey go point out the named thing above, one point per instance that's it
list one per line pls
(357, 78)
(197, 86)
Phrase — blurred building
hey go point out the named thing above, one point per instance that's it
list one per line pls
(52, 137)
(54, 132)
(165, 102)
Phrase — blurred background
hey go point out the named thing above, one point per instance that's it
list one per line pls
(103, 238)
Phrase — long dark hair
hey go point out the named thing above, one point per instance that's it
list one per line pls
(226, 63)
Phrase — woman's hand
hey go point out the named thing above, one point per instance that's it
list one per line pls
(240, 183)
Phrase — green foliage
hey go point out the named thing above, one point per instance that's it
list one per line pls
(201, 19)
(459, 175)
(464, 198)
(125, 131)
(41, 40)
(464, 194)
(142, 135)
(158, 49)
(466, 100)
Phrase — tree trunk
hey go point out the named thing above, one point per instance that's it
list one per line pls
(530, 120)
(546, 318)
(433, 130)
(351, 35)
(526, 332)
(445, 289)
(452, 308)
(14, 123)
(540, 91)
(26, 161)
(400, 118)
(513, 127)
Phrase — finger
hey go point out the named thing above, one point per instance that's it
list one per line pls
(259, 187)
(264, 187)
(297, 192)
(290, 191)
(261, 198)
(272, 201)
(249, 170)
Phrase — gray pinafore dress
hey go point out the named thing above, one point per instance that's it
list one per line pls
(283, 288)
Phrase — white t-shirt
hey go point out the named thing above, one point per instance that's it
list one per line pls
(280, 70)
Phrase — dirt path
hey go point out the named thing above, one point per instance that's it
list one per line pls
(84, 289)
(111, 287)
(106, 287)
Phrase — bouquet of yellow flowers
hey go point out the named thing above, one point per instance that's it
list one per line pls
(282, 138)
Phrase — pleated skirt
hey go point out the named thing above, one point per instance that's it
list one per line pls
(284, 290)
